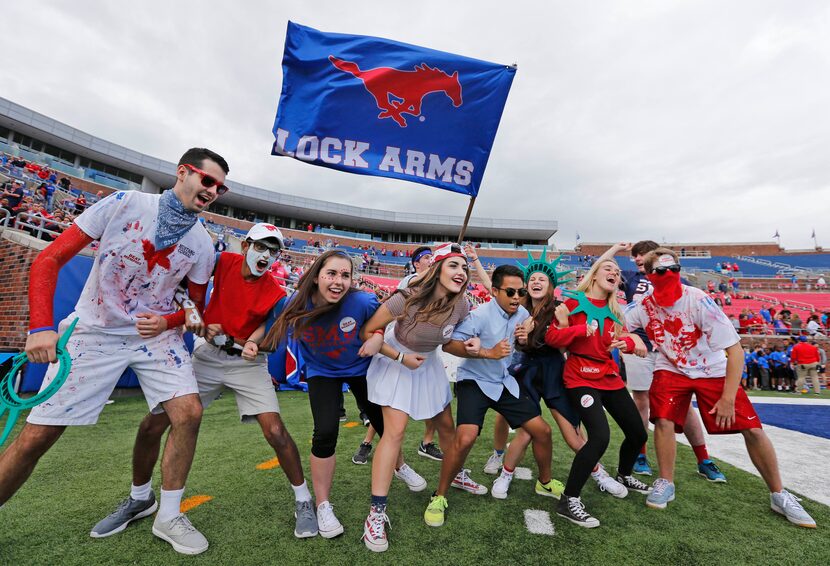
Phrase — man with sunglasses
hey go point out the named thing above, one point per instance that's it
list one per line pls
(245, 301)
(127, 319)
(640, 371)
(699, 353)
(485, 339)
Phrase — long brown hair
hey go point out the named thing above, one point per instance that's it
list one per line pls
(542, 316)
(296, 315)
(419, 300)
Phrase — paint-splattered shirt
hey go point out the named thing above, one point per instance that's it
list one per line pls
(129, 275)
(690, 336)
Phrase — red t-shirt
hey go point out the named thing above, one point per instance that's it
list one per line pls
(804, 353)
(589, 362)
(240, 306)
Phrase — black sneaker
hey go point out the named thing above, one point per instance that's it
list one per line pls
(633, 484)
(364, 418)
(343, 416)
(362, 455)
(431, 451)
(573, 510)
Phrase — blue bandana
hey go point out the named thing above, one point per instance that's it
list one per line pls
(174, 220)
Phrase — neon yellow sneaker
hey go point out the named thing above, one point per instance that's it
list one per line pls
(434, 515)
(553, 488)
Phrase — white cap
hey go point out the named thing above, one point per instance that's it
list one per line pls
(263, 231)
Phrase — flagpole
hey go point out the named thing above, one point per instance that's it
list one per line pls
(466, 219)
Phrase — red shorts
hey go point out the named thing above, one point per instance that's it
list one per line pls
(671, 394)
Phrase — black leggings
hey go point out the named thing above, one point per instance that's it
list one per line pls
(326, 396)
(622, 409)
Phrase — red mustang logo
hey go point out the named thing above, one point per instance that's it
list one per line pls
(399, 92)
(154, 258)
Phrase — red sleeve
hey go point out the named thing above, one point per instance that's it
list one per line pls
(43, 276)
(197, 293)
(557, 337)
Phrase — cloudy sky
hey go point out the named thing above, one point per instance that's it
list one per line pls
(685, 120)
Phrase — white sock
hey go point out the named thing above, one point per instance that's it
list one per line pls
(169, 504)
(141, 492)
(507, 474)
(301, 492)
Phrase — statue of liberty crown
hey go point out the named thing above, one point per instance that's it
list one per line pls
(548, 268)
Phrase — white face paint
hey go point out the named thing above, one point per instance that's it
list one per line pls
(255, 261)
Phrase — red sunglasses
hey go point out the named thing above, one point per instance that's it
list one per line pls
(207, 180)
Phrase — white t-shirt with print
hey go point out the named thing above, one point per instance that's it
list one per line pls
(129, 276)
(690, 336)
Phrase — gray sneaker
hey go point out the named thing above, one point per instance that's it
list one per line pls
(180, 533)
(362, 454)
(127, 511)
(788, 505)
(306, 520)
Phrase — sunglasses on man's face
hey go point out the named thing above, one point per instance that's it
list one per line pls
(207, 180)
(663, 269)
(510, 291)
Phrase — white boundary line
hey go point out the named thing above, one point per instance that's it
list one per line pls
(538, 522)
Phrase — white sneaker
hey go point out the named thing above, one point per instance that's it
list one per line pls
(374, 532)
(494, 463)
(411, 478)
(464, 482)
(788, 505)
(180, 533)
(327, 523)
(501, 486)
(609, 484)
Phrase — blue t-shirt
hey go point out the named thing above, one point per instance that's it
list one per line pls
(330, 344)
(763, 362)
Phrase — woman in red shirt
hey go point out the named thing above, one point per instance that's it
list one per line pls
(593, 383)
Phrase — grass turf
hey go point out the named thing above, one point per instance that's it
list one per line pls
(250, 519)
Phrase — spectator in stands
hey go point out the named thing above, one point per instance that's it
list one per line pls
(4, 206)
(765, 314)
(735, 285)
(221, 245)
(795, 324)
(735, 322)
(821, 284)
(813, 326)
(780, 326)
(14, 194)
(794, 281)
(310, 227)
(65, 183)
(710, 286)
(735, 268)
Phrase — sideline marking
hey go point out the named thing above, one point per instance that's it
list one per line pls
(193, 501)
(268, 464)
(521, 473)
(538, 522)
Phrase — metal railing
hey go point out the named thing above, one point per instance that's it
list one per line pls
(36, 225)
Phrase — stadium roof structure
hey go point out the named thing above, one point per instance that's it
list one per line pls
(161, 173)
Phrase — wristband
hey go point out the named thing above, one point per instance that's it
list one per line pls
(254, 341)
(380, 331)
(40, 329)
(399, 359)
(629, 344)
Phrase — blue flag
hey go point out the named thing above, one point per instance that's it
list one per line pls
(379, 107)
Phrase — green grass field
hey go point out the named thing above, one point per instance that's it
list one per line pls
(250, 519)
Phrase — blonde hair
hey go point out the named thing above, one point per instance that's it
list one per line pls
(613, 304)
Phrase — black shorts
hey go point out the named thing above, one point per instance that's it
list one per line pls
(472, 405)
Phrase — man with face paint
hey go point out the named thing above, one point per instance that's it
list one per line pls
(640, 371)
(700, 353)
(245, 301)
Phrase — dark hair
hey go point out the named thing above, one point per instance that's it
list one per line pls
(643, 247)
(503, 271)
(419, 250)
(196, 156)
(296, 315)
(419, 305)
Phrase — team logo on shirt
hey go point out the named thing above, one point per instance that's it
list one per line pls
(185, 251)
(447, 332)
(347, 324)
(586, 401)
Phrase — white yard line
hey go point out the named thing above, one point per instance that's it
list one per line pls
(538, 522)
(521, 473)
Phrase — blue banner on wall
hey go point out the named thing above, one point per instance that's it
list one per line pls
(375, 106)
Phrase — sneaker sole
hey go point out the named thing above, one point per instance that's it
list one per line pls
(363, 463)
(181, 549)
(430, 456)
(491, 471)
(780, 511)
(331, 534)
(579, 523)
(498, 495)
(659, 505)
(481, 491)
(146, 513)
(644, 472)
(375, 547)
(434, 524)
(547, 494)
(414, 488)
(716, 480)
(305, 534)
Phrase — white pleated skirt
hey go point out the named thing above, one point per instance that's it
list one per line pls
(422, 393)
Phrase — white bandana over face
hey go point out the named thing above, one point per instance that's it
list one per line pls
(253, 257)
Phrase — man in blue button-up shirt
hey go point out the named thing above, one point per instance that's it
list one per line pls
(485, 339)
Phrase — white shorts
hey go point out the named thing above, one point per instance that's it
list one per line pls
(639, 371)
(162, 365)
(250, 381)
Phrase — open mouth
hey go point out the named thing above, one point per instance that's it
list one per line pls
(536, 288)
(336, 292)
(612, 279)
(262, 264)
(204, 199)
(459, 280)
